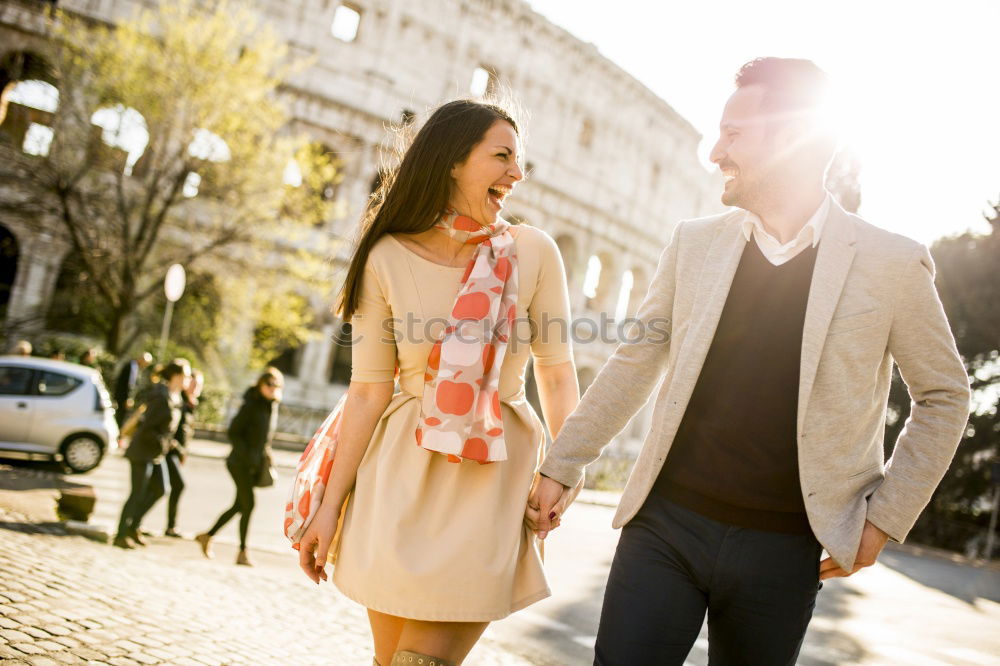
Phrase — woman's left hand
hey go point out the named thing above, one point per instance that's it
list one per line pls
(531, 509)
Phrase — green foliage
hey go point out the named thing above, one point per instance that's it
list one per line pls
(284, 323)
(201, 81)
(73, 348)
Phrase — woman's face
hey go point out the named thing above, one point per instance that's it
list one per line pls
(177, 382)
(271, 389)
(487, 177)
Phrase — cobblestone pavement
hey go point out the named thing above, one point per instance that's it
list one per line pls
(69, 600)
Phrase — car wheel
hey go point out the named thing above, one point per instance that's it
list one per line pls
(82, 453)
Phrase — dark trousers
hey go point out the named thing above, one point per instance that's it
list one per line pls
(243, 477)
(143, 473)
(673, 565)
(172, 471)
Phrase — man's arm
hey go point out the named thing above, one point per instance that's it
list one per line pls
(924, 349)
(624, 383)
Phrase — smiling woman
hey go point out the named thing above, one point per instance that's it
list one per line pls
(433, 479)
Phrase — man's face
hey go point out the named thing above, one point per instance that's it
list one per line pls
(745, 151)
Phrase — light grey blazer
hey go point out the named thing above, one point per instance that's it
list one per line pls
(872, 302)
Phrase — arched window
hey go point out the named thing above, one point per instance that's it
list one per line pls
(592, 280)
(124, 129)
(209, 146)
(624, 295)
(28, 119)
(567, 248)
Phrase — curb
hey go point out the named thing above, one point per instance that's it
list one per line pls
(93, 531)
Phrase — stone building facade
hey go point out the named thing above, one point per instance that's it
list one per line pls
(612, 167)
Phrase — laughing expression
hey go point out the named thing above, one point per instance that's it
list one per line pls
(488, 175)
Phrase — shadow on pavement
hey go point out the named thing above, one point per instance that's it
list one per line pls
(824, 644)
(962, 581)
(50, 528)
(35, 475)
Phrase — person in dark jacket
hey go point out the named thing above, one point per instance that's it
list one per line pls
(250, 433)
(175, 457)
(126, 383)
(150, 444)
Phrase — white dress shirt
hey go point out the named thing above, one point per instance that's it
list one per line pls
(772, 249)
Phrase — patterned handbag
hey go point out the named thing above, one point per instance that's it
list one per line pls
(312, 475)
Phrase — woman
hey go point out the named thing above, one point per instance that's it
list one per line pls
(178, 452)
(149, 445)
(250, 434)
(434, 544)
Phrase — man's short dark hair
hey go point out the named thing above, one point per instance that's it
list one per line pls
(792, 86)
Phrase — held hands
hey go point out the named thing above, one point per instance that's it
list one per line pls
(314, 548)
(547, 501)
(873, 540)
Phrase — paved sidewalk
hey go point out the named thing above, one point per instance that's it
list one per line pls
(68, 600)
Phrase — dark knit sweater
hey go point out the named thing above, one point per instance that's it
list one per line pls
(735, 458)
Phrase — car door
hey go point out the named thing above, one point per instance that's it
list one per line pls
(60, 406)
(16, 402)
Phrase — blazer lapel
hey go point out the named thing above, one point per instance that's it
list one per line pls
(716, 278)
(833, 262)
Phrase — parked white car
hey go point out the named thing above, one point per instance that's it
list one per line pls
(55, 408)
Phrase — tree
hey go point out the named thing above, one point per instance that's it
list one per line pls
(170, 146)
(968, 272)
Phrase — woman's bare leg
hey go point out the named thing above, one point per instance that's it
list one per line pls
(447, 640)
(385, 632)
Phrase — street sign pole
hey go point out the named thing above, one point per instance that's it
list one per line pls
(173, 287)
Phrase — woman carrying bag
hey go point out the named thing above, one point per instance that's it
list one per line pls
(444, 294)
(249, 461)
(153, 437)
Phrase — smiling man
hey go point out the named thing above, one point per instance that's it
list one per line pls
(786, 314)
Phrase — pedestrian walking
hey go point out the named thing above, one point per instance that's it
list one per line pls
(146, 451)
(173, 461)
(783, 318)
(250, 434)
(129, 379)
(434, 542)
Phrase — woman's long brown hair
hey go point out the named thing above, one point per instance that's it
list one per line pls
(413, 196)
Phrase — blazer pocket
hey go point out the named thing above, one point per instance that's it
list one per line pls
(853, 322)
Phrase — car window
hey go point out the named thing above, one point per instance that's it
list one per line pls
(14, 380)
(55, 383)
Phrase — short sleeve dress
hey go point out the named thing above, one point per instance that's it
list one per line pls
(424, 538)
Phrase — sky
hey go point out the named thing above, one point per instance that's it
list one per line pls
(918, 84)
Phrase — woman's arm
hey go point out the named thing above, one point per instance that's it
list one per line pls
(366, 402)
(558, 392)
(373, 363)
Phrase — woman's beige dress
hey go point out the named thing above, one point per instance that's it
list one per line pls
(424, 538)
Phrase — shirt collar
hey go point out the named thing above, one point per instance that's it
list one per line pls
(811, 232)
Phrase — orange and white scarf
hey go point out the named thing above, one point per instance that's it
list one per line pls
(460, 412)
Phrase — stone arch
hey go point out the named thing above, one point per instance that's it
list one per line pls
(9, 255)
(17, 66)
(339, 366)
(74, 306)
(606, 287)
(640, 284)
(569, 249)
(20, 119)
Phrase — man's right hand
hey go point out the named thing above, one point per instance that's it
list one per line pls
(547, 501)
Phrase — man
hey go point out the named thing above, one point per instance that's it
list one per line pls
(126, 382)
(766, 442)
